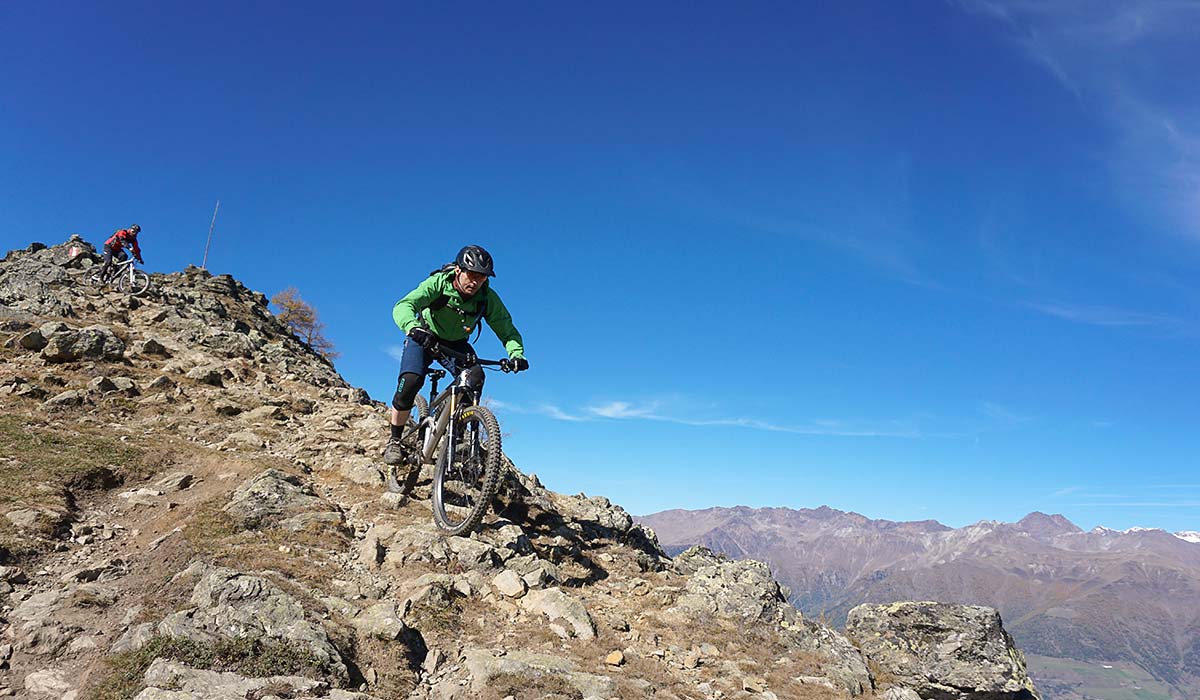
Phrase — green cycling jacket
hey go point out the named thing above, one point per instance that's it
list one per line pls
(457, 319)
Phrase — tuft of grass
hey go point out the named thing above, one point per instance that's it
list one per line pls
(302, 555)
(45, 465)
(537, 687)
(437, 619)
(209, 526)
(124, 673)
(59, 456)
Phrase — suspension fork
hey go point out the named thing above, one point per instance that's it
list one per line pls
(471, 433)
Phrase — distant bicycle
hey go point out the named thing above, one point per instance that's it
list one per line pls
(123, 275)
(465, 439)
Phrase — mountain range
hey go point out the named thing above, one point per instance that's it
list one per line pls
(1102, 596)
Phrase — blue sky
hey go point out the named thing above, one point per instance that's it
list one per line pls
(920, 260)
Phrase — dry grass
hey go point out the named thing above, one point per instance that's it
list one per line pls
(524, 687)
(47, 468)
(305, 555)
(392, 661)
(744, 651)
(124, 674)
(884, 679)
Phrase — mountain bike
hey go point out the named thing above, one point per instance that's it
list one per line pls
(124, 275)
(463, 437)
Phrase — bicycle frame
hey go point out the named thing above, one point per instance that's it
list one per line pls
(438, 420)
(121, 267)
(446, 404)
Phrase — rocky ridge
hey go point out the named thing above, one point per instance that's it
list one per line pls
(1097, 597)
(194, 510)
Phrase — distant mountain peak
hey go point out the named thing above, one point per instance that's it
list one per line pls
(1189, 536)
(1143, 529)
(1039, 523)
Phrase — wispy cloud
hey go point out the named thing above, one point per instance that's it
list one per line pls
(1130, 496)
(622, 409)
(1002, 414)
(395, 351)
(879, 236)
(558, 414)
(651, 411)
(1059, 493)
(1108, 316)
(1121, 59)
(880, 246)
(543, 409)
(1138, 504)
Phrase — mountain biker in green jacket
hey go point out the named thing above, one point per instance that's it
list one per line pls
(446, 308)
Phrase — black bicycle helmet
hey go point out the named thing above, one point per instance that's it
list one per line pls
(475, 259)
(135, 228)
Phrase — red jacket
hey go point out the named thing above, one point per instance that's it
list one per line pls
(120, 238)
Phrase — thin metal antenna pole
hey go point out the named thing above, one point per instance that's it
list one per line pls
(204, 263)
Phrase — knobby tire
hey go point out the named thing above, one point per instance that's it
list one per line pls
(467, 473)
(140, 283)
(133, 282)
(95, 283)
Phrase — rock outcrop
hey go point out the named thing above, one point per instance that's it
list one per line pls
(199, 496)
(943, 651)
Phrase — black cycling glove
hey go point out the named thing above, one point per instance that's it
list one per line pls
(423, 337)
(519, 364)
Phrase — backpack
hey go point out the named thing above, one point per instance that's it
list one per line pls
(120, 238)
(443, 301)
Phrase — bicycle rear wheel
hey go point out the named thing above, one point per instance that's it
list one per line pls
(467, 472)
(402, 477)
(95, 281)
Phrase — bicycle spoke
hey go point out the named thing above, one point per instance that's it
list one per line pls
(467, 473)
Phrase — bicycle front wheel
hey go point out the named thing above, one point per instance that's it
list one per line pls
(137, 281)
(402, 477)
(468, 472)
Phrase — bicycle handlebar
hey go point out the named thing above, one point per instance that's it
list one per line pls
(469, 359)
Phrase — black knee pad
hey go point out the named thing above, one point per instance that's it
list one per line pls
(407, 387)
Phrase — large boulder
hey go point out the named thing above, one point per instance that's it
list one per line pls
(30, 280)
(66, 344)
(743, 593)
(943, 651)
(558, 606)
(230, 604)
(169, 680)
(230, 344)
(744, 590)
(531, 670)
(594, 513)
(270, 498)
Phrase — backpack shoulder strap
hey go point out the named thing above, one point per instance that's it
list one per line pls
(480, 311)
(442, 300)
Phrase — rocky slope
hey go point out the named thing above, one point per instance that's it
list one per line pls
(1101, 596)
(193, 510)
